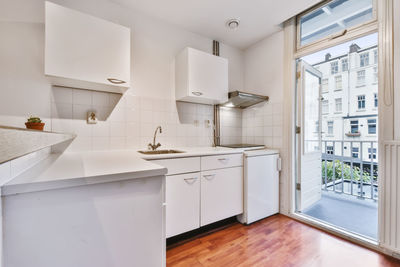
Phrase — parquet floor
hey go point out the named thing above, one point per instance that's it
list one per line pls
(276, 241)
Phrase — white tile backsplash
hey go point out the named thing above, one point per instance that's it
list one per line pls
(262, 124)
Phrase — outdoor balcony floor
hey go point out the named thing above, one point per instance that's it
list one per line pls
(348, 212)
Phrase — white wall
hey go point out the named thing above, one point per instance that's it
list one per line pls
(263, 123)
(150, 101)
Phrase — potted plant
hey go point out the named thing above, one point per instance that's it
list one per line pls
(34, 123)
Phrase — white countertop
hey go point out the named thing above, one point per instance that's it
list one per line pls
(82, 168)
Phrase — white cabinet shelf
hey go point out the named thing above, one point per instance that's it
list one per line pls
(16, 142)
(83, 51)
(201, 77)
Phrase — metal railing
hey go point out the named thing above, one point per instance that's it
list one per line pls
(350, 167)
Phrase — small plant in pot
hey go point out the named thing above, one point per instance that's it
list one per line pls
(34, 123)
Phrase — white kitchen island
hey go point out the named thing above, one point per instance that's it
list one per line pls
(91, 209)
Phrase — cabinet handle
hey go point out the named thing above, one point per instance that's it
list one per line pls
(190, 180)
(223, 159)
(209, 176)
(197, 93)
(115, 81)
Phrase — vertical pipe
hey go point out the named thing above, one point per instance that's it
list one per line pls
(217, 138)
(215, 48)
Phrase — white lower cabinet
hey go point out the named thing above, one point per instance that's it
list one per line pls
(201, 190)
(183, 203)
(221, 194)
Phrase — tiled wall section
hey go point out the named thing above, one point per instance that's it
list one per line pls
(230, 125)
(128, 122)
(262, 124)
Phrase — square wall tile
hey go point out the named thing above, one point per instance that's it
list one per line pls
(81, 97)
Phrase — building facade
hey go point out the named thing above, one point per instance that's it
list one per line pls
(349, 104)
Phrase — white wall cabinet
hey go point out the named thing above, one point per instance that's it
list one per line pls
(201, 77)
(183, 203)
(83, 51)
(221, 194)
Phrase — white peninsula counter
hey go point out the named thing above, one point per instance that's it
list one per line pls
(90, 209)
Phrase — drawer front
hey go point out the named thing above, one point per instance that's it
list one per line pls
(221, 161)
(221, 194)
(179, 165)
(183, 203)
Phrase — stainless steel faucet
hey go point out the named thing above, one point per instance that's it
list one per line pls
(154, 146)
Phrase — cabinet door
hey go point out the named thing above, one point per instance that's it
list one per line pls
(183, 203)
(208, 76)
(221, 194)
(86, 49)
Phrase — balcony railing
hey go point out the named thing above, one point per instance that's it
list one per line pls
(350, 167)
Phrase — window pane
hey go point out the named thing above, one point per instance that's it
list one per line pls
(333, 18)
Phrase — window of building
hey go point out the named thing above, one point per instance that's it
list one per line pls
(361, 101)
(375, 100)
(354, 126)
(332, 18)
(338, 104)
(372, 153)
(376, 56)
(325, 86)
(364, 59)
(338, 82)
(360, 77)
(354, 152)
(334, 67)
(330, 127)
(329, 150)
(345, 64)
(325, 106)
(375, 74)
(372, 126)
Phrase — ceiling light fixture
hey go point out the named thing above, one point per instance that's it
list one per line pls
(233, 24)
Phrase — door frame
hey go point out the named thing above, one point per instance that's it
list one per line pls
(386, 114)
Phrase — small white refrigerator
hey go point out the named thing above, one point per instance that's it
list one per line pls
(261, 185)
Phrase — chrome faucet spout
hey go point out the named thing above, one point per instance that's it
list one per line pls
(154, 146)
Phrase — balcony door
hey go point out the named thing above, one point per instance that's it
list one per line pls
(308, 184)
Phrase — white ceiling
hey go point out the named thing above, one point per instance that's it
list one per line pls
(258, 18)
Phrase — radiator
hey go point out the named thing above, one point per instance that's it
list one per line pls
(389, 196)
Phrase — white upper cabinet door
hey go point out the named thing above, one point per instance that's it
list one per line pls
(83, 51)
(221, 194)
(201, 77)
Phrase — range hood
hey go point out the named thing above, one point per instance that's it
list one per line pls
(239, 99)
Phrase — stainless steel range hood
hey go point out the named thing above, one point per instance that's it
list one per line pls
(239, 99)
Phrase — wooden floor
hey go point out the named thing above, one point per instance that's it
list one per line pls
(275, 241)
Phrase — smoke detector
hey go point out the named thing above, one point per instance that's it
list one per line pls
(233, 24)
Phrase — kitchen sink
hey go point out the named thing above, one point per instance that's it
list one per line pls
(162, 151)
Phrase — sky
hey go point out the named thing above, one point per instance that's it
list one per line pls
(341, 49)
